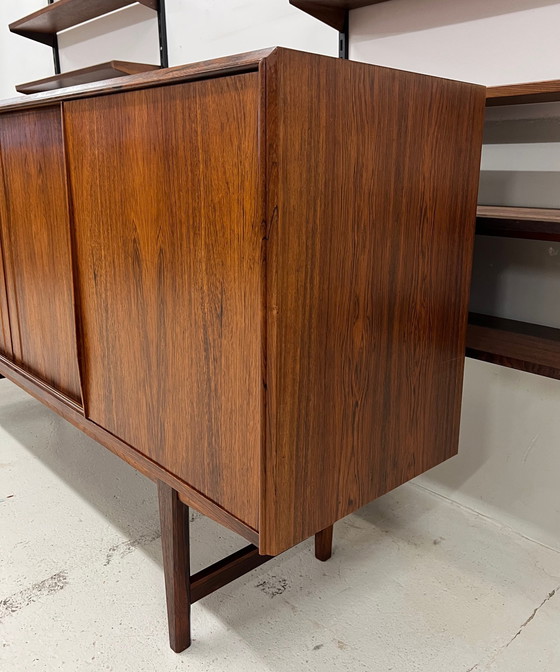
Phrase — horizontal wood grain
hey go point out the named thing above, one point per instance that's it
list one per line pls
(36, 242)
(530, 223)
(74, 414)
(519, 345)
(46, 22)
(332, 12)
(94, 73)
(217, 67)
(168, 231)
(371, 218)
(521, 94)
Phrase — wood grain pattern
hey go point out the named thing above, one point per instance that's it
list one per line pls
(521, 94)
(373, 178)
(36, 244)
(519, 345)
(165, 192)
(174, 520)
(43, 24)
(74, 414)
(332, 12)
(93, 73)
(217, 67)
(529, 223)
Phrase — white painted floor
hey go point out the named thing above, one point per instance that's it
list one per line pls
(416, 582)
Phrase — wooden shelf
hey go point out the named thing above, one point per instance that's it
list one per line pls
(332, 12)
(44, 24)
(518, 345)
(521, 94)
(531, 223)
(94, 73)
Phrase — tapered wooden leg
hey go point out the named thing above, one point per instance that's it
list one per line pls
(323, 544)
(174, 518)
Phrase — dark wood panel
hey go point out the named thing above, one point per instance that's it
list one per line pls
(95, 73)
(43, 24)
(520, 94)
(36, 241)
(373, 178)
(217, 67)
(74, 414)
(5, 335)
(332, 12)
(519, 345)
(165, 186)
(530, 223)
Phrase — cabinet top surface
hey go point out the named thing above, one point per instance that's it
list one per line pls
(229, 65)
(220, 66)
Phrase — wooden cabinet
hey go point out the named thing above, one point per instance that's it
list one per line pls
(270, 261)
(36, 245)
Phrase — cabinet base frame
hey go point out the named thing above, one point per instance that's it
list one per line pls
(182, 588)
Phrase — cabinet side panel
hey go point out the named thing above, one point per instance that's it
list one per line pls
(36, 239)
(371, 210)
(168, 237)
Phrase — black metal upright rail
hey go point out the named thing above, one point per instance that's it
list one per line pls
(162, 28)
(344, 38)
(56, 54)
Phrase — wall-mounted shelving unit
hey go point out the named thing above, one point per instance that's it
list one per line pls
(519, 345)
(531, 223)
(45, 24)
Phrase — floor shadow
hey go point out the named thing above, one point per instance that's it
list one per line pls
(121, 494)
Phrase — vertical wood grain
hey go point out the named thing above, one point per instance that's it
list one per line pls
(373, 178)
(35, 237)
(168, 237)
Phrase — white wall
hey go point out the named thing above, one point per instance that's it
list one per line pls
(197, 30)
(510, 454)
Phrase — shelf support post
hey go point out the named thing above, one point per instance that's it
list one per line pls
(56, 53)
(162, 28)
(344, 37)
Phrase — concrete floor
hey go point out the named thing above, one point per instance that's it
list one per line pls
(416, 583)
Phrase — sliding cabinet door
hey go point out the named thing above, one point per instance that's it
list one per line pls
(166, 197)
(36, 241)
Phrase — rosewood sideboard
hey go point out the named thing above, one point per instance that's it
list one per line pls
(249, 279)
